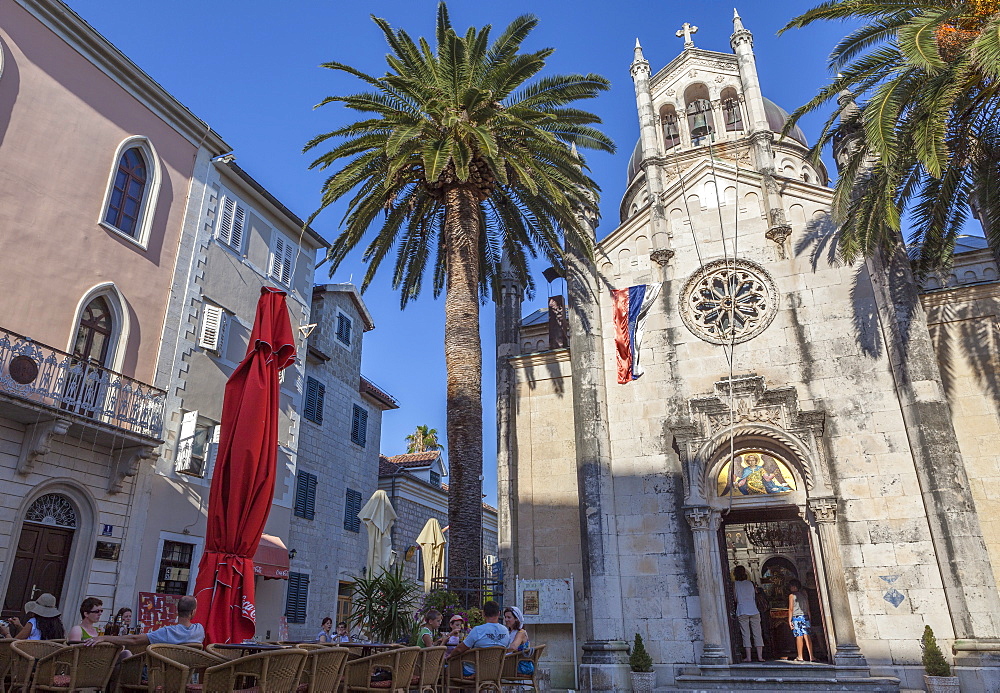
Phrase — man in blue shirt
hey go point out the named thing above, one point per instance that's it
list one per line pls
(489, 634)
(178, 634)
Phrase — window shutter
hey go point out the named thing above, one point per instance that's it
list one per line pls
(305, 495)
(344, 329)
(315, 394)
(282, 255)
(213, 451)
(231, 223)
(212, 319)
(297, 599)
(359, 425)
(185, 441)
(352, 523)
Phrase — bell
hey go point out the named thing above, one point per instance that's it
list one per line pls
(733, 116)
(670, 133)
(699, 125)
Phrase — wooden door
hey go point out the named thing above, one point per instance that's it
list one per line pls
(39, 566)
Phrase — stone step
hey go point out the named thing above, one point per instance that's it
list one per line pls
(781, 668)
(737, 682)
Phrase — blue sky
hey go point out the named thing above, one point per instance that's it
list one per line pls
(250, 69)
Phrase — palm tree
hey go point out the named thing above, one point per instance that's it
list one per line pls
(929, 142)
(423, 439)
(461, 157)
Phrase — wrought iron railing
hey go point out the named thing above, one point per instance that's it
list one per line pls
(41, 374)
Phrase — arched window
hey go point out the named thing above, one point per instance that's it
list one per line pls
(94, 333)
(699, 112)
(671, 131)
(128, 192)
(732, 114)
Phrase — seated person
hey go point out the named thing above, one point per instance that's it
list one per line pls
(324, 634)
(429, 635)
(514, 620)
(343, 635)
(121, 623)
(44, 623)
(489, 634)
(90, 613)
(178, 634)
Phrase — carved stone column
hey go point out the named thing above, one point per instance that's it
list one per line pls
(704, 523)
(824, 511)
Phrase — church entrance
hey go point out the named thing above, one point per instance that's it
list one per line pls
(773, 544)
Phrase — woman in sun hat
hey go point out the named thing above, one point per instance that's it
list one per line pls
(44, 623)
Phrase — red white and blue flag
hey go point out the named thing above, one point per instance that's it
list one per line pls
(631, 307)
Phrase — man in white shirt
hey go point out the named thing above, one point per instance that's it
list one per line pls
(178, 634)
(489, 634)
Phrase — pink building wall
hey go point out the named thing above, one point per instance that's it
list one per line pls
(62, 120)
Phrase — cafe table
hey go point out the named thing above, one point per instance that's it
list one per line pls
(249, 648)
(369, 648)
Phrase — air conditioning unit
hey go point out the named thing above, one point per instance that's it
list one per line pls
(489, 560)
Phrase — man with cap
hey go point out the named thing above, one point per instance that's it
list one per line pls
(44, 623)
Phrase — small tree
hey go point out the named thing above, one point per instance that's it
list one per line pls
(639, 660)
(384, 605)
(933, 660)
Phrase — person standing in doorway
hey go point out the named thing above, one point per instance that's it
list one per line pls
(798, 619)
(747, 613)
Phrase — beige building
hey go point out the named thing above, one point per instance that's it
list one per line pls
(795, 416)
(96, 163)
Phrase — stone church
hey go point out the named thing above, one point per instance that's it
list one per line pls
(803, 418)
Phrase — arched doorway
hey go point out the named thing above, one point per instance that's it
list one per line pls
(42, 554)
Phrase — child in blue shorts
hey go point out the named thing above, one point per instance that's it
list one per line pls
(798, 618)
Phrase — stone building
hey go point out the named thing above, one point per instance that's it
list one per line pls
(238, 238)
(96, 162)
(800, 417)
(338, 459)
(413, 483)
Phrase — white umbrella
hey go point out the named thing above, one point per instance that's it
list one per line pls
(431, 542)
(378, 517)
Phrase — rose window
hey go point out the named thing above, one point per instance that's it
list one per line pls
(728, 301)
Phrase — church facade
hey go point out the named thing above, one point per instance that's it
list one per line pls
(733, 395)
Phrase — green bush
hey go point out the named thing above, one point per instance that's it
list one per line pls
(383, 606)
(639, 660)
(933, 660)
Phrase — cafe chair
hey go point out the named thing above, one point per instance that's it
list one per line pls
(274, 671)
(488, 665)
(24, 655)
(511, 663)
(6, 660)
(323, 670)
(395, 670)
(173, 668)
(223, 653)
(76, 667)
(427, 675)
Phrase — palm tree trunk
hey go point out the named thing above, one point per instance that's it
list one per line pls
(464, 363)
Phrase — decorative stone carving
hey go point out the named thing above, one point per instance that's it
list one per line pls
(779, 234)
(661, 256)
(125, 462)
(823, 509)
(744, 412)
(37, 442)
(728, 301)
(702, 518)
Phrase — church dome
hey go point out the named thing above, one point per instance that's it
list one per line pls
(635, 160)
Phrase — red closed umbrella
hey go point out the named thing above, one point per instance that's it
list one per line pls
(243, 481)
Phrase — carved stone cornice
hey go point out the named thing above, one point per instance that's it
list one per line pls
(38, 441)
(824, 510)
(125, 462)
(661, 256)
(702, 518)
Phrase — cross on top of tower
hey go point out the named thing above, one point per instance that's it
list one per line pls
(686, 30)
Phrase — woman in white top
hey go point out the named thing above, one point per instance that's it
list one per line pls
(746, 612)
(44, 623)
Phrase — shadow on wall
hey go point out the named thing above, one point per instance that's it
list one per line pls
(10, 78)
(960, 334)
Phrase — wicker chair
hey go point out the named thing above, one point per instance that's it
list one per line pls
(6, 660)
(172, 667)
(132, 674)
(488, 663)
(76, 667)
(24, 655)
(510, 677)
(398, 662)
(324, 669)
(427, 676)
(275, 671)
(224, 653)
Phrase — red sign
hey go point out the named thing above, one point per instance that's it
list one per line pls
(156, 610)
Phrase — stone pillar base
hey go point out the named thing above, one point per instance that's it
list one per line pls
(977, 664)
(849, 656)
(713, 655)
(604, 666)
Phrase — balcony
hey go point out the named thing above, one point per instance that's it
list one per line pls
(50, 391)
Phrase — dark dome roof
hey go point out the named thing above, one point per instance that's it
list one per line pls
(776, 119)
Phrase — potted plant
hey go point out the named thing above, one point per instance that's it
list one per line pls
(641, 664)
(938, 678)
(383, 606)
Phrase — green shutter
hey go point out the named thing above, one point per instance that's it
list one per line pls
(305, 495)
(315, 393)
(297, 599)
(359, 425)
(351, 509)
